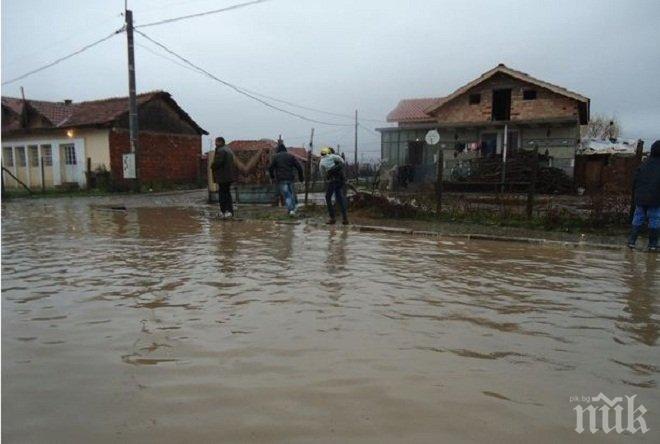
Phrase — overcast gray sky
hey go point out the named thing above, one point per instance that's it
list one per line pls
(339, 55)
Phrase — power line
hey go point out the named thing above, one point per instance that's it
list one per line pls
(236, 88)
(348, 116)
(199, 70)
(61, 59)
(200, 14)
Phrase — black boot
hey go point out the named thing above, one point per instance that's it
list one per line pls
(632, 237)
(653, 239)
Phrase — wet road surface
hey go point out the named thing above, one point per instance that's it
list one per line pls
(166, 325)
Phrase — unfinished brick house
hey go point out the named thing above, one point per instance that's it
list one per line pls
(498, 114)
(68, 138)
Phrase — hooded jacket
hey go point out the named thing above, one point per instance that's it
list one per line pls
(223, 165)
(284, 166)
(331, 167)
(647, 180)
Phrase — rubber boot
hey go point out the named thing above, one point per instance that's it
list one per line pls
(653, 240)
(632, 237)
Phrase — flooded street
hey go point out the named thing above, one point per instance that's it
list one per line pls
(162, 324)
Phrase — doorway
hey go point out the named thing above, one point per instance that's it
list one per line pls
(69, 162)
(415, 153)
(501, 104)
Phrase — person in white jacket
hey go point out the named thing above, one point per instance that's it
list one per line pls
(331, 167)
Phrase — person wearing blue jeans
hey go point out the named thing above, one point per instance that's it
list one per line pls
(286, 190)
(282, 169)
(647, 199)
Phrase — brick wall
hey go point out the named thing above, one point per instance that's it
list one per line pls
(546, 105)
(163, 158)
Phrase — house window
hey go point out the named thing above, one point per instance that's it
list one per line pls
(475, 99)
(33, 155)
(47, 155)
(20, 156)
(69, 154)
(7, 156)
(529, 94)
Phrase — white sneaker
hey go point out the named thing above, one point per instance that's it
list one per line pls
(228, 215)
(292, 213)
(221, 215)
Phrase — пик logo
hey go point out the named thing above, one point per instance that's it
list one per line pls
(610, 411)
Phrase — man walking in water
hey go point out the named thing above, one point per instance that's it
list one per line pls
(331, 168)
(223, 174)
(647, 199)
(282, 169)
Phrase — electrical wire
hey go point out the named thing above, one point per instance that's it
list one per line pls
(236, 88)
(260, 94)
(200, 14)
(61, 59)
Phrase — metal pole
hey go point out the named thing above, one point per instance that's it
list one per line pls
(132, 99)
(438, 181)
(356, 148)
(309, 166)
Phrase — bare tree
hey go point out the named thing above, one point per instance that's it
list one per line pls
(602, 127)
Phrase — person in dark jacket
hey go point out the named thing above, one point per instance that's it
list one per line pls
(282, 170)
(223, 174)
(647, 199)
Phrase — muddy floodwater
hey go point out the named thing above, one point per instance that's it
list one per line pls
(162, 324)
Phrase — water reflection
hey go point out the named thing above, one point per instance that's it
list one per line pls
(124, 317)
(643, 287)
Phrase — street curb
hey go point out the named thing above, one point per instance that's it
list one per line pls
(476, 236)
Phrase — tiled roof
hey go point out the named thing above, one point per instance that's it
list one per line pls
(412, 110)
(251, 145)
(94, 112)
(502, 68)
(422, 110)
(266, 144)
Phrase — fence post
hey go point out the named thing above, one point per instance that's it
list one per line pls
(532, 183)
(638, 160)
(438, 182)
(308, 173)
(43, 176)
(89, 174)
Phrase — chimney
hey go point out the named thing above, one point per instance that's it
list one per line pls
(68, 101)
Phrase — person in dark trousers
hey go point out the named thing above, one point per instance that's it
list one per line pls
(331, 168)
(223, 174)
(647, 199)
(282, 170)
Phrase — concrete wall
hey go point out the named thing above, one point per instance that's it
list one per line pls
(90, 143)
(560, 141)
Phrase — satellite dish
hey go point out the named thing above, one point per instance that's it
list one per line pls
(432, 137)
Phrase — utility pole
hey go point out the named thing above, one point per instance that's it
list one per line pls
(132, 100)
(356, 147)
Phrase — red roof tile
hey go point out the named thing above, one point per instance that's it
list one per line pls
(94, 112)
(251, 145)
(412, 110)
